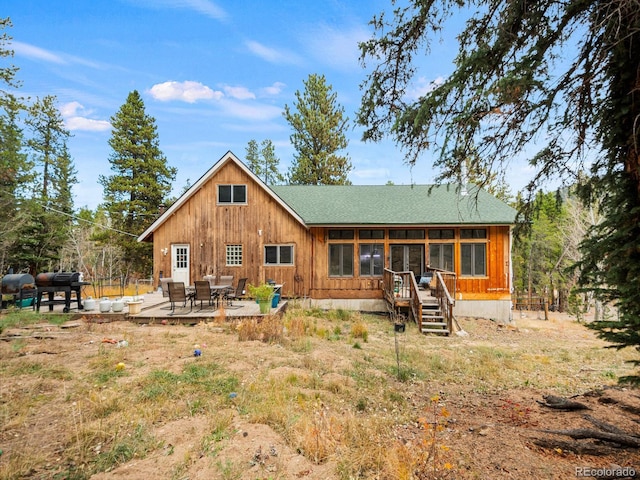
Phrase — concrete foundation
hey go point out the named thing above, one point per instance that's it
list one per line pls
(368, 305)
(498, 310)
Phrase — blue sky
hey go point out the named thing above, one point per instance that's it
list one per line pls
(214, 75)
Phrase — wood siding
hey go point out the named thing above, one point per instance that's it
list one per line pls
(495, 285)
(208, 228)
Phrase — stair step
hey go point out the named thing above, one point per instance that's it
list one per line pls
(432, 318)
(435, 330)
(434, 324)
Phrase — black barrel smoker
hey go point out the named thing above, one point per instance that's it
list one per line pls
(59, 282)
(20, 286)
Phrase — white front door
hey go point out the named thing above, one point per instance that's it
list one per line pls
(180, 263)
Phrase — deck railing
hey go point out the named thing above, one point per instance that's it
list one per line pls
(401, 290)
(445, 282)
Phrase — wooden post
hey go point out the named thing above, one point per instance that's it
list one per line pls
(546, 309)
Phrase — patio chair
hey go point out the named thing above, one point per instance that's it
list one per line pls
(202, 293)
(177, 294)
(210, 278)
(226, 280)
(237, 293)
(164, 286)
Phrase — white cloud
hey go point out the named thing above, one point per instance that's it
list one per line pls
(337, 47)
(86, 124)
(31, 51)
(272, 55)
(241, 93)
(254, 112)
(205, 7)
(37, 53)
(188, 91)
(70, 109)
(76, 118)
(274, 89)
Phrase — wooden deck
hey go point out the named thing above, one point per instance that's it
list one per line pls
(156, 308)
(239, 309)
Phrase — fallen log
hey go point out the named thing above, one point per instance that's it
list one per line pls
(576, 447)
(560, 403)
(604, 426)
(622, 405)
(623, 439)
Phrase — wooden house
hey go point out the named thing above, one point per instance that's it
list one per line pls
(334, 244)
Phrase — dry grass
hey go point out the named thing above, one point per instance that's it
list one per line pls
(300, 375)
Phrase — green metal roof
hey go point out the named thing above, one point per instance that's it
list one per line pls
(395, 204)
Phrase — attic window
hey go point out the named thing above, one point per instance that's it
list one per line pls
(229, 194)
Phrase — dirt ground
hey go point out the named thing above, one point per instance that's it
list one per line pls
(491, 433)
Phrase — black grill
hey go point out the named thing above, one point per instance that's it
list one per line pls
(21, 286)
(59, 282)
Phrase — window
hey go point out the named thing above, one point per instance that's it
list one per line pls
(340, 234)
(473, 259)
(182, 257)
(371, 234)
(232, 194)
(441, 256)
(441, 234)
(278, 255)
(406, 234)
(341, 260)
(371, 259)
(234, 255)
(471, 233)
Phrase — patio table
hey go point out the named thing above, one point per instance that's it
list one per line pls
(219, 290)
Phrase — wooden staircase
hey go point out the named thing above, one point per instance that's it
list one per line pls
(430, 308)
(432, 321)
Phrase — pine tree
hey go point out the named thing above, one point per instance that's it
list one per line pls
(319, 126)
(563, 74)
(15, 175)
(15, 167)
(253, 157)
(7, 74)
(50, 216)
(48, 142)
(140, 183)
(263, 162)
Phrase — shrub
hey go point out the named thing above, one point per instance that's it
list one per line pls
(269, 329)
(359, 330)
